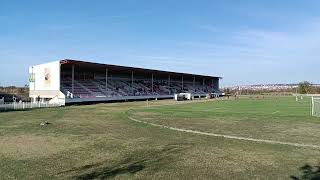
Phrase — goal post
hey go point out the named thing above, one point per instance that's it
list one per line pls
(315, 106)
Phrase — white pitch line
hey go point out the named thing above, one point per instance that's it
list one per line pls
(228, 136)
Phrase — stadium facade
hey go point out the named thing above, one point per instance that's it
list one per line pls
(73, 81)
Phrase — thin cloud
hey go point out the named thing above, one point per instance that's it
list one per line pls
(165, 60)
(258, 45)
(58, 27)
(209, 28)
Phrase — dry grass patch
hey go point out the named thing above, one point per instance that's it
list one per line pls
(29, 146)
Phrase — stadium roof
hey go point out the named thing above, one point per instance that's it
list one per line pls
(116, 67)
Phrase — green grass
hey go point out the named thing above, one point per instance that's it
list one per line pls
(100, 141)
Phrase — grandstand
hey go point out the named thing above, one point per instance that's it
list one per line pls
(73, 81)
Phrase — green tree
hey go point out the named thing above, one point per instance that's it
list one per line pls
(304, 87)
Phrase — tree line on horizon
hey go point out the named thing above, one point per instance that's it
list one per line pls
(304, 87)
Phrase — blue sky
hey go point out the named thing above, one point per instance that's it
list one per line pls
(246, 42)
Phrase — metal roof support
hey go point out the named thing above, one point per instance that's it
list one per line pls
(182, 82)
(194, 83)
(72, 81)
(132, 82)
(203, 84)
(212, 85)
(106, 80)
(152, 82)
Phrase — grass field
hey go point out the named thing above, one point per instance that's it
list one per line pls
(101, 141)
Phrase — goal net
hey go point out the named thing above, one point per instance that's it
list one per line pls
(315, 106)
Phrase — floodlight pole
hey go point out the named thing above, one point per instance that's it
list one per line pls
(72, 81)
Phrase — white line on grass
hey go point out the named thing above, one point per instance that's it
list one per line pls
(227, 136)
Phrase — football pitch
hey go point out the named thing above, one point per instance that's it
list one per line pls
(249, 138)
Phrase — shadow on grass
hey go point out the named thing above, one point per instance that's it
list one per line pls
(16, 110)
(107, 172)
(308, 173)
(133, 163)
(29, 109)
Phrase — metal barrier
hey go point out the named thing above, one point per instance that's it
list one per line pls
(25, 105)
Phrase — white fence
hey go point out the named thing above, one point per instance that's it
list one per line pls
(25, 105)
